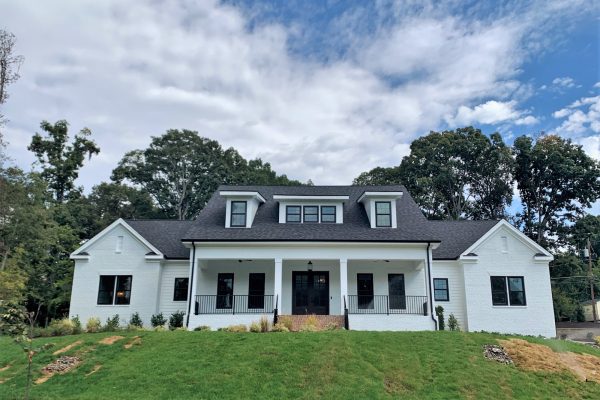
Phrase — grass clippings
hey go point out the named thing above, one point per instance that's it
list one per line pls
(111, 339)
(67, 348)
(7, 366)
(94, 370)
(135, 341)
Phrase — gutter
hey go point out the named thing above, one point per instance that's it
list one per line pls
(187, 322)
(430, 288)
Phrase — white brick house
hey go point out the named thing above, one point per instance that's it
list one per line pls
(365, 254)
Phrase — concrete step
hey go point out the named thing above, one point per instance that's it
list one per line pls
(322, 321)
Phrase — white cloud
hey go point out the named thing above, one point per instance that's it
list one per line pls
(597, 85)
(582, 116)
(129, 71)
(591, 145)
(565, 82)
(528, 120)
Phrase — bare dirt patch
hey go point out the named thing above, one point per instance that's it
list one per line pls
(111, 339)
(61, 365)
(537, 357)
(136, 341)
(7, 366)
(67, 348)
(94, 370)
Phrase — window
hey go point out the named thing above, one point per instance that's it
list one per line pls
(256, 290)
(238, 214)
(440, 289)
(383, 214)
(328, 214)
(119, 247)
(225, 291)
(397, 299)
(181, 289)
(292, 214)
(364, 290)
(508, 290)
(114, 289)
(311, 214)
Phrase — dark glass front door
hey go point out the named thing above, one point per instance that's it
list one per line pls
(310, 292)
(396, 291)
(225, 291)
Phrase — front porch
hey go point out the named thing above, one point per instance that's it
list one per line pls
(370, 294)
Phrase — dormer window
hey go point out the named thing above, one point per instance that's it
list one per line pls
(238, 214)
(328, 214)
(311, 214)
(383, 214)
(292, 214)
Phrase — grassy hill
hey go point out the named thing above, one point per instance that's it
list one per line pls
(337, 365)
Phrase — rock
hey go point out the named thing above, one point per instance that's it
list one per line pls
(497, 353)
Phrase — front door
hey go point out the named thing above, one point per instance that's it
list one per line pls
(310, 292)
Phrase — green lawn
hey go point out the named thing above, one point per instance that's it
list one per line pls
(336, 365)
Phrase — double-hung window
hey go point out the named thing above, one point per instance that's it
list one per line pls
(114, 289)
(238, 213)
(292, 214)
(181, 289)
(383, 214)
(311, 213)
(328, 214)
(440, 289)
(508, 290)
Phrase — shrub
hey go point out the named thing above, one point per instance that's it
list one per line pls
(236, 328)
(93, 325)
(439, 312)
(265, 324)
(453, 324)
(308, 328)
(136, 320)
(176, 320)
(202, 328)
(157, 320)
(286, 321)
(61, 327)
(160, 328)
(331, 326)
(77, 329)
(112, 323)
(312, 320)
(280, 327)
(255, 327)
(41, 332)
(597, 340)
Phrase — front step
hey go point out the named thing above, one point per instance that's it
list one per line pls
(323, 321)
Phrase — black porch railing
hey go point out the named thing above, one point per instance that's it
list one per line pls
(233, 304)
(384, 304)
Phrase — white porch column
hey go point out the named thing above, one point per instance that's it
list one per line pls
(278, 283)
(343, 283)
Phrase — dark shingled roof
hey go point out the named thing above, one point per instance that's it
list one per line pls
(164, 234)
(458, 236)
(412, 225)
(455, 236)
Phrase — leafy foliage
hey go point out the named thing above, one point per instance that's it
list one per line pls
(136, 320)
(439, 312)
(157, 320)
(176, 320)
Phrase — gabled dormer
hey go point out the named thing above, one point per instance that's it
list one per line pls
(304, 209)
(380, 208)
(241, 208)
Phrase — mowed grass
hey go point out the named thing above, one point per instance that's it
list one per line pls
(332, 365)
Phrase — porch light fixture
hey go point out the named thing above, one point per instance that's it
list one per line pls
(310, 265)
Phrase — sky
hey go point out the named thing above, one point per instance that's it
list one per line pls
(323, 90)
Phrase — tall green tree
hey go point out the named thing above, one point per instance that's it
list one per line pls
(61, 160)
(181, 170)
(557, 181)
(9, 66)
(454, 174)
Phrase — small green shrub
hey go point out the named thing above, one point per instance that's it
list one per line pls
(41, 332)
(176, 320)
(77, 329)
(93, 325)
(112, 323)
(265, 324)
(136, 320)
(439, 312)
(453, 324)
(255, 327)
(202, 328)
(236, 328)
(61, 327)
(286, 321)
(280, 327)
(157, 320)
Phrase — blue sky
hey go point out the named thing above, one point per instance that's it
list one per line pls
(321, 89)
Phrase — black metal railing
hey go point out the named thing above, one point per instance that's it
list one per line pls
(384, 304)
(346, 319)
(233, 304)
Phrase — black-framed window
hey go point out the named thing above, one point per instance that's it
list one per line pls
(396, 291)
(180, 291)
(238, 213)
(256, 290)
(364, 290)
(328, 214)
(440, 289)
(508, 290)
(114, 289)
(292, 214)
(383, 214)
(311, 213)
(225, 290)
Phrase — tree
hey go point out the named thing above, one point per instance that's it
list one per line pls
(9, 66)
(557, 181)
(60, 160)
(454, 174)
(181, 170)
